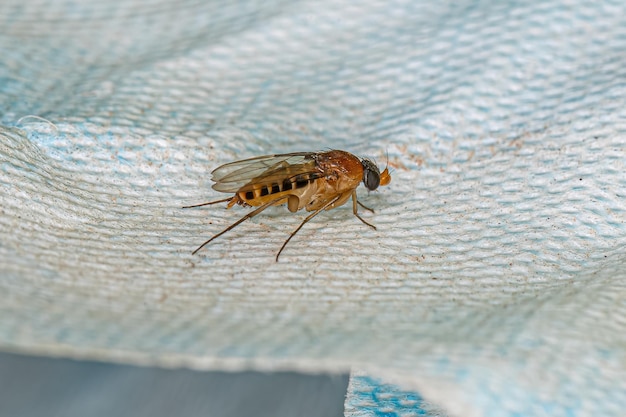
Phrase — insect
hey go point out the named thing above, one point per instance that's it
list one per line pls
(314, 181)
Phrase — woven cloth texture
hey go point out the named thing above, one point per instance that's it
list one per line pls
(495, 283)
(369, 397)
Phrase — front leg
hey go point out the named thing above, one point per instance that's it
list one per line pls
(364, 206)
(355, 201)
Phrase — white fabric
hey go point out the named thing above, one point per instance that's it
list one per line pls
(495, 282)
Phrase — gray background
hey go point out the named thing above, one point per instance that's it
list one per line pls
(37, 386)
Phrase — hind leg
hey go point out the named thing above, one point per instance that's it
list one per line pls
(243, 219)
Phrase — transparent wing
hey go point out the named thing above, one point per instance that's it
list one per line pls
(234, 176)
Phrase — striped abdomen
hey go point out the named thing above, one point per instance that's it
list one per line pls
(260, 193)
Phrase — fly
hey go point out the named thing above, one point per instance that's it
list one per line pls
(314, 181)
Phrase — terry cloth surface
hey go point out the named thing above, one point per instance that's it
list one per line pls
(495, 283)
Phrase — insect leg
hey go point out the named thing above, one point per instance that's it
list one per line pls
(209, 203)
(309, 217)
(364, 206)
(238, 222)
(355, 209)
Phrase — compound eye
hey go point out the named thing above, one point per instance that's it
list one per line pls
(371, 179)
(371, 175)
